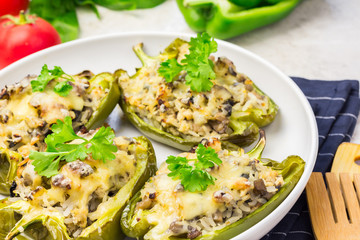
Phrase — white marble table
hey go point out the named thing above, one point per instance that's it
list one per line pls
(318, 40)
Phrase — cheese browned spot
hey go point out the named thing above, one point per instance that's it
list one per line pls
(82, 190)
(26, 116)
(242, 185)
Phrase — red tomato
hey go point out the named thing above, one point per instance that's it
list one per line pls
(13, 7)
(24, 35)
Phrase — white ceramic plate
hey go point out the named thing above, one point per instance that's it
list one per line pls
(294, 131)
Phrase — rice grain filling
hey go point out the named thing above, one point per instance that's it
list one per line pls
(175, 108)
(242, 186)
(82, 190)
(26, 116)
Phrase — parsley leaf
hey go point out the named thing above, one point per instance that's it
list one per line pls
(42, 80)
(46, 75)
(170, 69)
(63, 88)
(100, 146)
(197, 180)
(46, 165)
(207, 157)
(197, 65)
(194, 177)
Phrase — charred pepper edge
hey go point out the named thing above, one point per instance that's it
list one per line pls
(108, 223)
(291, 168)
(208, 16)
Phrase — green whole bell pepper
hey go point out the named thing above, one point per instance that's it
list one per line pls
(21, 220)
(291, 169)
(246, 3)
(229, 18)
(128, 4)
(245, 124)
(10, 159)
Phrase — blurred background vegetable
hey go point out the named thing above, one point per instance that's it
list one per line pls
(13, 7)
(62, 13)
(229, 18)
(23, 35)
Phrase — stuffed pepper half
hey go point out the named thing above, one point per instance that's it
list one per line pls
(177, 99)
(30, 107)
(76, 189)
(209, 193)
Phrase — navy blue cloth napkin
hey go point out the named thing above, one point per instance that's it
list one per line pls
(336, 106)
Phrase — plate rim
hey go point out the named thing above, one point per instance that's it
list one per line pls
(290, 200)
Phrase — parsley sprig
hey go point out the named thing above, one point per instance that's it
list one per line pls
(46, 75)
(197, 65)
(194, 177)
(100, 146)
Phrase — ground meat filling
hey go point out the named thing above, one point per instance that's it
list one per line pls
(242, 186)
(26, 116)
(81, 189)
(174, 108)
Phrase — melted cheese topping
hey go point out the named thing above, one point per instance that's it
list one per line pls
(236, 193)
(176, 109)
(25, 116)
(81, 188)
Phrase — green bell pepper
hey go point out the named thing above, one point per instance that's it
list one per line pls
(244, 124)
(246, 3)
(19, 219)
(291, 169)
(108, 103)
(9, 159)
(128, 4)
(225, 19)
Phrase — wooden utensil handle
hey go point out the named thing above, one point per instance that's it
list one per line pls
(345, 158)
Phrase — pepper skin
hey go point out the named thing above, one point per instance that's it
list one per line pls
(224, 19)
(245, 124)
(291, 169)
(129, 4)
(10, 159)
(35, 224)
(107, 105)
(148, 3)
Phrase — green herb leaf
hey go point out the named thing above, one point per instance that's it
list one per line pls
(170, 69)
(61, 14)
(63, 88)
(100, 146)
(46, 75)
(73, 151)
(207, 157)
(176, 165)
(197, 180)
(62, 132)
(39, 84)
(194, 177)
(45, 163)
(196, 64)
